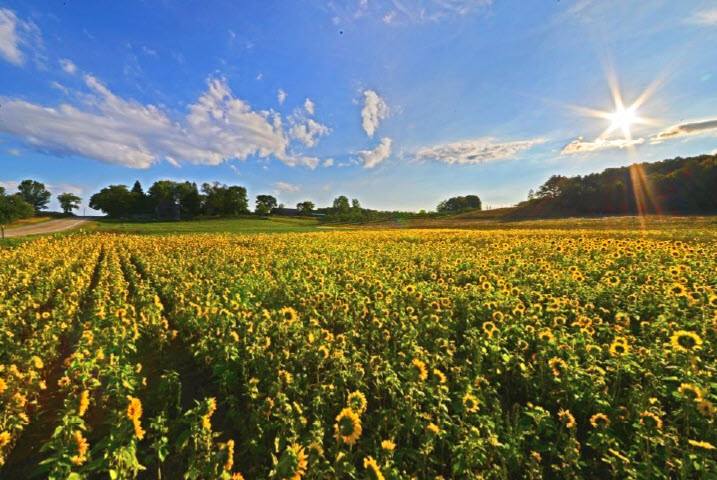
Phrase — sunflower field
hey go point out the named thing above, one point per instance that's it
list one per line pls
(414, 354)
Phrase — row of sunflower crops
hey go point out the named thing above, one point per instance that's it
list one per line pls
(374, 354)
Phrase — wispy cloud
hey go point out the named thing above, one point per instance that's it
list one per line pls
(286, 187)
(480, 150)
(17, 37)
(404, 12)
(68, 66)
(374, 110)
(371, 158)
(685, 129)
(281, 96)
(704, 17)
(309, 106)
(219, 127)
(308, 132)
(578, 146)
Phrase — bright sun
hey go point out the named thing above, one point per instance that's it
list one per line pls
(623, 118)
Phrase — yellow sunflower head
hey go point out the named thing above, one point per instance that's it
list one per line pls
(372, 469)
(684, 341)
(470, 403)
(357, 402)
(347, 426)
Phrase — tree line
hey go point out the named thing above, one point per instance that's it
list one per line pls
(678, 185)
(31, 198)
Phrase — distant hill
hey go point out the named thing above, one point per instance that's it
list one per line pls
(675, 186)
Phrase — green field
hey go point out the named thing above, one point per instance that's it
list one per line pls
(243, 225)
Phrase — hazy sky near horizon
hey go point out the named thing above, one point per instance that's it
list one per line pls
(400, 103)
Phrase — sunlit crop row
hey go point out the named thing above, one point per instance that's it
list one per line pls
(379, 354)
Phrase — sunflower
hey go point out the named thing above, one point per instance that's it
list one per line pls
(470, 403)
(684, 341)
(230, 455)
(288, 314)
(489, 328)
(357, 402)
(650, 420)
(5, 438)
(3, 386)
(433, 428)
(558, 366)
(134, 412)
(374, 473)
(619, 347)
(546, 335)
(677, 290)
(692, 392)
(705, 445)
(566, 418)
(84, 403)
(706, 408)
(421, 367)
(82, 446)
(599, 420)
(388, 445)
(347, 426)
(439, 375)
(301, 459)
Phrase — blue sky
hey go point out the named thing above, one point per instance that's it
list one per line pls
(398, 103)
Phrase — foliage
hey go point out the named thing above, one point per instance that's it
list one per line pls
(114, 201)
(34, 193)
(224, 200)
(14, 207)
(459, 204)
(69, 202)
(679, 185)
(305, 207)
(265, 204)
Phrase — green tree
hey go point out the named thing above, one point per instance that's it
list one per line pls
(460, 204)
(34, 193)
(115, 201)
(14, 207)
(355, 204)
(224, 200)
(306, 207)
(264, 204)
(341, 204)
(69, 202)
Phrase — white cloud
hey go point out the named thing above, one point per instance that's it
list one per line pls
(389, 17)
(371, 158)
(68, 66)
(308, 132)
(577, 146)
(259, 76)
(309, 106)
(695, 127)
(286, 187)
(328, 162)
(704, 17)
(480, 150)
(374, 110)
(219, 127)
(281, 96)
(17, 35)
(14, 152)
(401, 12)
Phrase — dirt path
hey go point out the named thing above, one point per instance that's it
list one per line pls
(46, 227)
